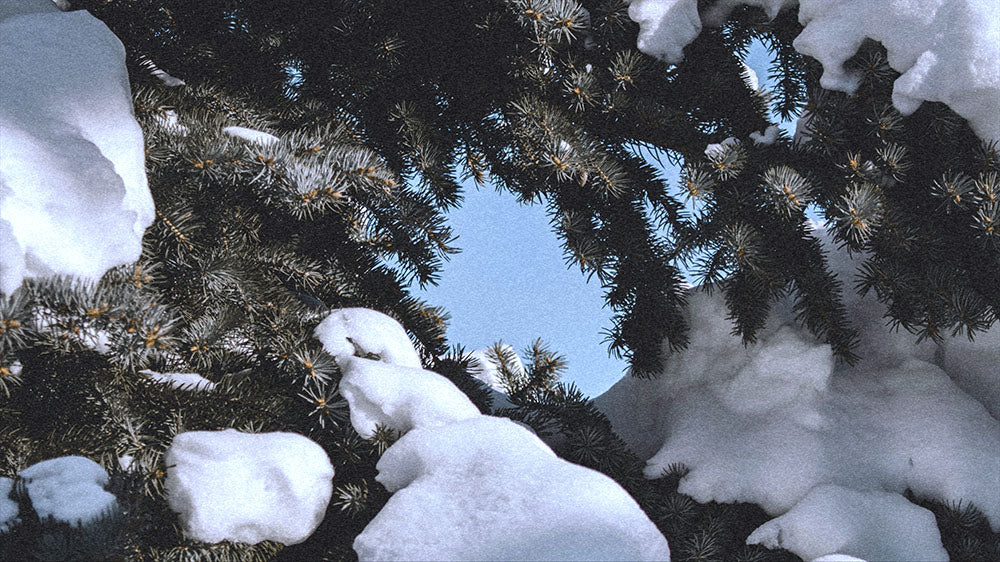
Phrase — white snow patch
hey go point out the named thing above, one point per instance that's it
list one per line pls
(127, 463)
(872, 525)
(718, 150)
(769, 136)
(228, 485)
(73, 192)
(185, 381)
(8, 507)
(487, 489)
(251, 135)
(401, 398)
(946, 50)
(768, 423)
(665, 26)
(837, 558)
(68, 489)
(348, 331)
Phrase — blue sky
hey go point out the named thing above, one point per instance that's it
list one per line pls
(511, 283)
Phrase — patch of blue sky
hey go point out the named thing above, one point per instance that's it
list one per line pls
(510, 282)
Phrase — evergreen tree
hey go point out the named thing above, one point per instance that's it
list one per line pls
(378, 111)
(550, 101)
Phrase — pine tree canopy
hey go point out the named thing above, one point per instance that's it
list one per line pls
(551, 101)
(303, 157)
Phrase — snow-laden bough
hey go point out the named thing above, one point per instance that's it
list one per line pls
(73, 193)
(946, 51)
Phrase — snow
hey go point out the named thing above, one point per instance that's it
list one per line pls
(975, 366)
(363, 331)
(185, 381)
(771, 422)
(769, 136)
(868, 524)
(73, 192)
(127, 463)
(228, 485)
(837, 558)
(68, 489)
(394, 391)
(665, 26)
(251, 135)
(468, 486)
(8, 507)
(946, 50)
(718, 150)
(401, 398)
(487, 489)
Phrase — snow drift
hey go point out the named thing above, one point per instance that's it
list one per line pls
(833, 519)
(468, 486)
(771, 422)
(486, 488)
(73, 192)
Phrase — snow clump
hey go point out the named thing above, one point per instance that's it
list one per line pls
(183, 381)
(468, 486)
(400, 398)
(68, 489)
(487, 489)
(8, 507)
(769, 136)
(73, 193)
(947, 51)
(251, 135)
(228, 485)
(349, 331)
(871, 525)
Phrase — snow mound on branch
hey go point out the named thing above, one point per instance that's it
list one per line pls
(361, 331)
(768, 137)
(394, 392)
(468, 486)
(401, 398)
(947, 51)
(769, 423)
(665, 26)
(8, 507)
(228, 485)
(487, 489)
(251, 135)
(68, 489)
(73, 192)
(184, 381)
(870, 525)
